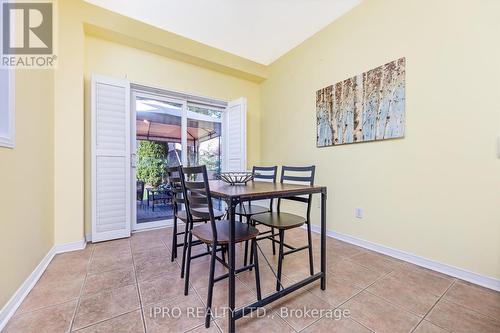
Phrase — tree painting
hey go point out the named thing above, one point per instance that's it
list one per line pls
(366, 107)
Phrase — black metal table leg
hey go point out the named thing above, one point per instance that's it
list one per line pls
(232, 282)
(323, 239)
(232, 201)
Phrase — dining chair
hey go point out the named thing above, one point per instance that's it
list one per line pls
(285, 221)
(174, 175)
(214, 234)
(247, 210)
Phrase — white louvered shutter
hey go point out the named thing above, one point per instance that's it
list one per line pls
(111, 199)
(234, 134)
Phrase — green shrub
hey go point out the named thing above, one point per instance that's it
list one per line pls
(151, 163)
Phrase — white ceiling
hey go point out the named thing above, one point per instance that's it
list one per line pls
(259, 30)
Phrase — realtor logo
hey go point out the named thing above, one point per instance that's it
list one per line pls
(28, 34)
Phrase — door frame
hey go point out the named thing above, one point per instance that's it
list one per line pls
(133, 90)
(172, 97)
(133, 148)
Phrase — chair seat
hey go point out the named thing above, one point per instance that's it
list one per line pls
(280, 220)
(249, 210)
(242, 232)
(182, 215)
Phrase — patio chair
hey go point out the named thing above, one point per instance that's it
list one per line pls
(140, 191)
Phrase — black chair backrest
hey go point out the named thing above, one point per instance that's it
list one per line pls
(197, 196)
(265, 173)
(174, 175)
(298, 175)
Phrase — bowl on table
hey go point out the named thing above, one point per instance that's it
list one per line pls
(236, 178)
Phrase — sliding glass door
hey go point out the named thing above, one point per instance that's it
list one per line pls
(169, 132)
(204, 137)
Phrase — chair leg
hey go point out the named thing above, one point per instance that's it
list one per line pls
(280, 259)
(188, 266)
(252, 223)
(245, 261)
(211, 275)
(311, 263)
(245, 255)
(257, 274)
(174, 241)
(274, 245)
(184, 249)
(251, 260)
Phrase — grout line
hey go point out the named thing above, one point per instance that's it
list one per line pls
(248, 286)
(362, 325)
(218, 326)
(286, 322)
(351, 297)
(466, 305)
(430, 322)
(113, 316)
(105, 320)
(432, 307)
(81, 291)
(364, 289)
(44, 307)
(138, 290)
(400, 307)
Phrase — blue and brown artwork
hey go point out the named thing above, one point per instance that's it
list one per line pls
(366, 107)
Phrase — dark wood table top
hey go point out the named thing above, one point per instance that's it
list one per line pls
(260, 190)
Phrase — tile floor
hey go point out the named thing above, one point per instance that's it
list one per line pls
(117, 286)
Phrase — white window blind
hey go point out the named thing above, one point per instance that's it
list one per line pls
(7, 95)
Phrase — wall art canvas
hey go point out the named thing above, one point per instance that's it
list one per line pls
(366, 107)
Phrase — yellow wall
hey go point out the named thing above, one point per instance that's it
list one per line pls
(76, 17)
(436, 192)
(45, 174)
(120, 61)
(69, 126)
(26, 183)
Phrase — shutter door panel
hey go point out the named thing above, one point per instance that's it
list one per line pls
(111, 193)
(111, 202)
(235, 136)
(111, 118)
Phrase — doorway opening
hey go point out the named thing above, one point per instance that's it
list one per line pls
(170, 132)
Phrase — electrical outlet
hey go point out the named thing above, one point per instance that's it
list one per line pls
(359, 213)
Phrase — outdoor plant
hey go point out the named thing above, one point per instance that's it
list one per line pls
(151, 162)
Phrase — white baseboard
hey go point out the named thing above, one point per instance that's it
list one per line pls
(68, 247)
(15, 301)
(88, 237)
(460, 273)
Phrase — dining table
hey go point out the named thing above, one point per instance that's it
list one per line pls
(255, 190)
